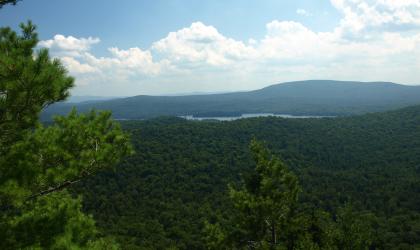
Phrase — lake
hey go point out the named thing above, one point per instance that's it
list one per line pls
(243, 116)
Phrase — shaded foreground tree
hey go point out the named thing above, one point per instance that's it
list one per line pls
(38, 163)
(268, 215)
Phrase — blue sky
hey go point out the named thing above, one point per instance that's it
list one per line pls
(179, 46)
(132, 23)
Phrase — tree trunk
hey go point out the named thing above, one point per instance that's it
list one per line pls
(273, 236)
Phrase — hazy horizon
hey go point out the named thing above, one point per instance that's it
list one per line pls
(233, 91)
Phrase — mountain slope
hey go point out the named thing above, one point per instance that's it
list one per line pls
(79, 99)
(316, 97)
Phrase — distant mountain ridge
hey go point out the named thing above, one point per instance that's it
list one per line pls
(313, 97)
(79, 99)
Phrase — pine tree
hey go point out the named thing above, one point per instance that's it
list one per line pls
(267, 200)
(268, 215)
(38, 163)
(265, 205)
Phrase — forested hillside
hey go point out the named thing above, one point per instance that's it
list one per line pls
(296, 98)
(178, 178)
(101, 147)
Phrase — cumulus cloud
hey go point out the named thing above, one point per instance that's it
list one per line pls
(373, 40)
(136, 59)
(288, 40)
(76, 67)
(69, 45)
(200, 43)
(121, 64)
(366, 16)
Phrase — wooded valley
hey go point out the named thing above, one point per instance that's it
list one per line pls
(178, 178)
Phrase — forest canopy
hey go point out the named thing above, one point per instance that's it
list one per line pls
(349, 169)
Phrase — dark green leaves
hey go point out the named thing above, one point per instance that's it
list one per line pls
(38, 163)
(54, 157)
(266, 202)
(29, 81)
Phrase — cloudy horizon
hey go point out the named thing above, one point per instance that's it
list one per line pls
(375, 40)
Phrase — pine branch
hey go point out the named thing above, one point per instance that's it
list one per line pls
(65, 184)
(4, 2)
(54, 189)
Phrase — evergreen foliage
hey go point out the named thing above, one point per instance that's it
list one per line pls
(267, 215)
(266, 203)
(36, 162)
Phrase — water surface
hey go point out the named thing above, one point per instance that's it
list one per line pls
(243, 116)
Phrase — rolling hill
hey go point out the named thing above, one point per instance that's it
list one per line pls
(315, 97)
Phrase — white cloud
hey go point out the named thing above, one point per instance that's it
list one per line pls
(362, 17)
(69, 45)
(136, 59)
(120, 65)
(375, 40)
(76, 67)
(201, 44)
(303, 12)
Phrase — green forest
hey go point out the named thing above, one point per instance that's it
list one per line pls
(86, 181)
(366, 167)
